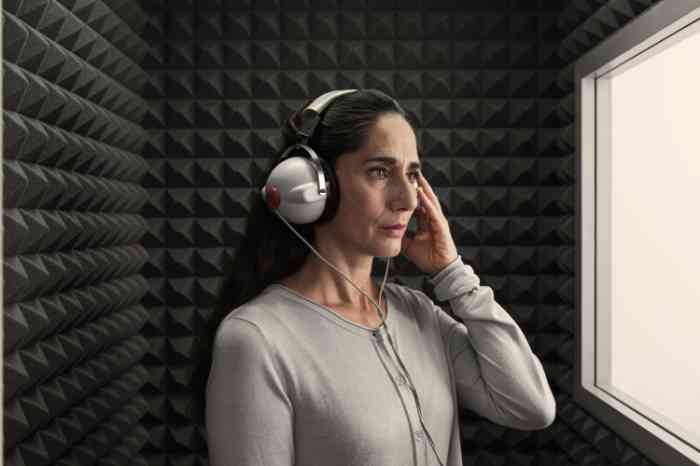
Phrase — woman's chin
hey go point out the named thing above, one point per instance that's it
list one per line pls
(391, 247)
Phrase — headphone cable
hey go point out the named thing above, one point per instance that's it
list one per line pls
(383, 324)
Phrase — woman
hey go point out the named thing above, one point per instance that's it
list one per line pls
(303, 371)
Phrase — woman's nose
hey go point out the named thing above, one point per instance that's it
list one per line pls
(406, 194)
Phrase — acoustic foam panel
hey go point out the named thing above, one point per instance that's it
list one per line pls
(480, 80)
(72, 225)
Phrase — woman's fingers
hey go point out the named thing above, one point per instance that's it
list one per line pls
(429, 213)
(428, 191)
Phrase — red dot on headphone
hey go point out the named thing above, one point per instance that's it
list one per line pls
(272, 197)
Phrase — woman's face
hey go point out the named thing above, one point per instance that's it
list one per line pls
(378, 189)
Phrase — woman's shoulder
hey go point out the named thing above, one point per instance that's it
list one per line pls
(411, 293)
(261, 307)
(271, 311)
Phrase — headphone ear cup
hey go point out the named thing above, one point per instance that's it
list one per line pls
(291, 190)
(332, 187)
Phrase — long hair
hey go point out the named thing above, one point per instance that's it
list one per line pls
(269, 250)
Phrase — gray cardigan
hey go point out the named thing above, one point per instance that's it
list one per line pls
(295, 383)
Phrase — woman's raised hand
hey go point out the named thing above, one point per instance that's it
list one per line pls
(432, 247)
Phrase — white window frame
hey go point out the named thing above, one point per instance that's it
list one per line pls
(645, 429)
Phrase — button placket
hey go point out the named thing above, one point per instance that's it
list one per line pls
(405, 393)
(400, 378)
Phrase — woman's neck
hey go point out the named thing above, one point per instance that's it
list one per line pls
(320, 282)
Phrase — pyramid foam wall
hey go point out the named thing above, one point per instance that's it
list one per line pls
(72, 169)
(480, 79)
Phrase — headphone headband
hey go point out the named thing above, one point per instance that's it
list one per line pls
(310, 115)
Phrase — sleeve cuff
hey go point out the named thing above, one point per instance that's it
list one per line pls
(455, 279)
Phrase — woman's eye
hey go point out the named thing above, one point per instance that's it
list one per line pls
(379, 170)
(384, 171)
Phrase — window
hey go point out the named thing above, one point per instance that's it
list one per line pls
(638, 259)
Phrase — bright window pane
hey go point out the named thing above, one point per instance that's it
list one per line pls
(654, 151)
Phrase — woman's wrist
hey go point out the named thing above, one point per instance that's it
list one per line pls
(443, 267)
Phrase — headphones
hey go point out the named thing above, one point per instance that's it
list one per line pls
(303, 188)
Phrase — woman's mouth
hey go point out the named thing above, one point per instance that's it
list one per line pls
(394, 230)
